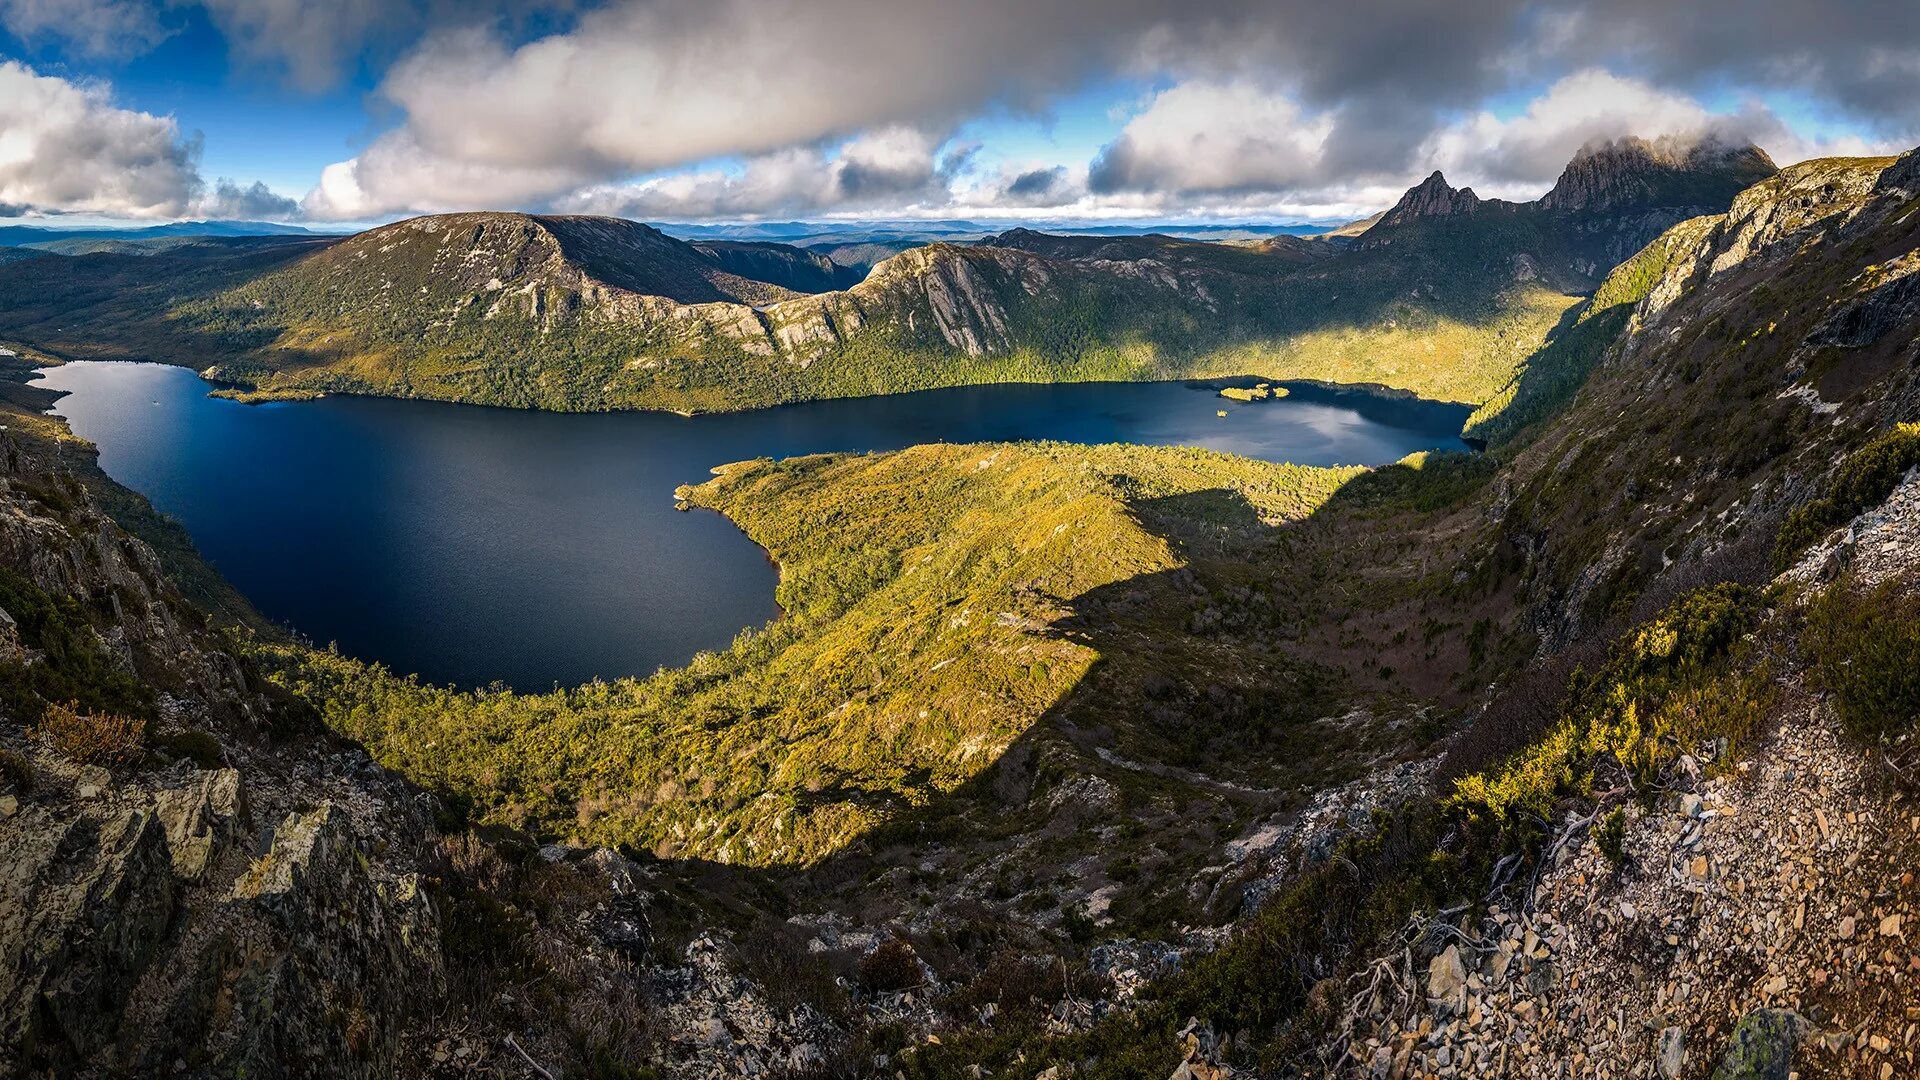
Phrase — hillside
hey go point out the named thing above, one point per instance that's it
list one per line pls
(780, 264)
(1594, 752)
(588, 314)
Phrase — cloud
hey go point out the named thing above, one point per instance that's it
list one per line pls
(66, 148)
(894, 169)
(231, 202)
(1520, 156)
(313, 44)
(645, 85)
(100, 28)
(1208, 137)
(1258, 95)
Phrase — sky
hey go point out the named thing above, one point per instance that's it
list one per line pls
(360, 111)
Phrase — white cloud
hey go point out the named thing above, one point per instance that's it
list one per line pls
(66, 148)
(94, 27)
(897, 169)
(1202, 137)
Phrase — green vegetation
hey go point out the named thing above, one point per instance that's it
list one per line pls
(1688, 676)
(1865, 649)
(520, 316)
(925, 593)
(74, 671)
(1549, 378)
(1863, 481)
(1261, 392)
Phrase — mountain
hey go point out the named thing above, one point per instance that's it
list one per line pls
(1667, 172)
(1101, 761)
(781, 264)
(1612, 199)
(1431, 198)
(1444, 297)
(27, 235)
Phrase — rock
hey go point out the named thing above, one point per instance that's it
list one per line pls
(1432, 197)
(1673, 1052)
(1763, 1046)
(1446, 976)
(337, 954)
(1902, 175)
(84, 905)
(202, 818)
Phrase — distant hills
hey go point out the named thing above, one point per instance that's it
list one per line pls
(1444, 296)
(33, 235)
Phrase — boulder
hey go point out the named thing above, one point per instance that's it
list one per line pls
(1763, 1046)
(85, 901)
(202, 817)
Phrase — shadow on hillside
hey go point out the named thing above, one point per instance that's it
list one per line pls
(1202, 715)
(107, 306)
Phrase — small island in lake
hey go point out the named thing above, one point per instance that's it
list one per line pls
(1260, 392)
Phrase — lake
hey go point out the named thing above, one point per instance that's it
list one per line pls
(473, 545)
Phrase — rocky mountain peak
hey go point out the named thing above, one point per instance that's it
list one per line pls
(1432, 197)
(1669, 171)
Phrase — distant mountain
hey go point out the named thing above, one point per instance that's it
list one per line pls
(782, 264)
(1632, 173)
(33, 235)
(1430, 198)
(1612, 199)
(1445, 296)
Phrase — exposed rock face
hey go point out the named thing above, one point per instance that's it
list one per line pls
(86, 896)
(1432, 197)
(1667, 172)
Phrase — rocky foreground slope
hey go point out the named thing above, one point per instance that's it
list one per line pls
(1675, 837)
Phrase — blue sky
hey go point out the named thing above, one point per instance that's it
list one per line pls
(677, 109)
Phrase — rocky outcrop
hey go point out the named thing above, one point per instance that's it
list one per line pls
(1692, 175)
(1431, 198)
(87, 895)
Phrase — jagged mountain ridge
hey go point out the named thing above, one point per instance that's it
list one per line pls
(1610, 201)
(590, 313)
(284, 899)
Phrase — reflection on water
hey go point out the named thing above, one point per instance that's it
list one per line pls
(473, 545)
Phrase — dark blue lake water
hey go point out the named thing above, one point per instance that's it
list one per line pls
(475, 545)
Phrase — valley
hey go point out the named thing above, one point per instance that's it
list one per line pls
(1066, 757)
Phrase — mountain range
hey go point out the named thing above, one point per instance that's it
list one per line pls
(1590, 754)
(1444, 297)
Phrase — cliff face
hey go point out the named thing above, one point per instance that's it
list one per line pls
(1431, 198)
(1666, 173)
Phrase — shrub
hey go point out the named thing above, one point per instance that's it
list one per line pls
(199, 747)
(1863, 481)
(16, 771)
(1865, 649)
(775, 956)
(1610, 836)
(92, 738)
(1673, 682)
(892, 966)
